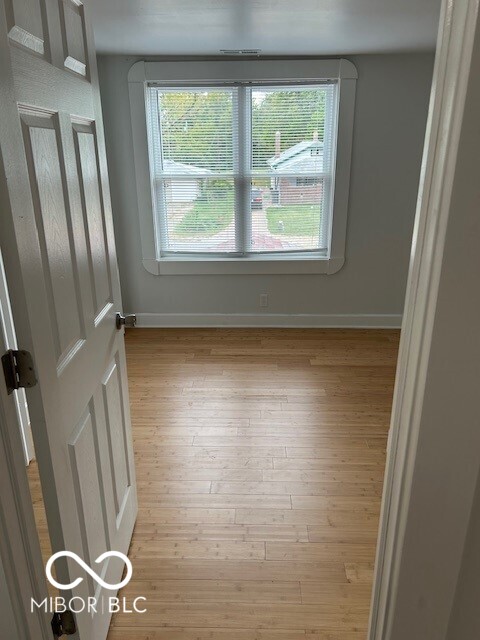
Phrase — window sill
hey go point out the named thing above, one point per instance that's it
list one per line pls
(243, 266)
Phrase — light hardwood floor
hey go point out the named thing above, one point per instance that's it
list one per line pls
(260, 458)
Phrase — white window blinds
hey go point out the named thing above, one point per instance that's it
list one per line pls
(242, 170)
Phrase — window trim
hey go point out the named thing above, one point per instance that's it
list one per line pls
(144, 73)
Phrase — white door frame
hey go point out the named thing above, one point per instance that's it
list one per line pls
(19, 545)
(451, 80)
(20, 552)
(7, 327)
(424, 523)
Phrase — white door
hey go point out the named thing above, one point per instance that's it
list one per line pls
(57, 240)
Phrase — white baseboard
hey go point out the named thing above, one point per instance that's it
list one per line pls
(347, 321)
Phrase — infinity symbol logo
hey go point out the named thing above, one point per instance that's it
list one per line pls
(91, 572)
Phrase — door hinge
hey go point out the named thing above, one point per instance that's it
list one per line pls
(63, 624)
(129, 321)
(18, 369)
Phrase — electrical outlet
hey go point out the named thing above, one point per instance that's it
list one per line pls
(264, 299)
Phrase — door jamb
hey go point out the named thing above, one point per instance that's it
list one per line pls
(8, 328)
(19, 544)
(457, 30)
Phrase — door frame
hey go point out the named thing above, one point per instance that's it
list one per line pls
(19, 543)
(450, 83)
(20, 552)
(459, 33)
(7, 327)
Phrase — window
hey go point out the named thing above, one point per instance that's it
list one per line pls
(243, 170)
(237, 170)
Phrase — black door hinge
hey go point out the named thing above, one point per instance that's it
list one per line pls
(18, 369)
(63, 624)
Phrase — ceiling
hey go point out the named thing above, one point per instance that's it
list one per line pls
(277, 27)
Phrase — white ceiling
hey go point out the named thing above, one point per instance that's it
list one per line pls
(277, 27)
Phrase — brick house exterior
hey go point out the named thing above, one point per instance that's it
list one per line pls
(303, 160)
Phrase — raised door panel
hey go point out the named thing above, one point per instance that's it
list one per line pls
(117, 438)
(94, 218)
(26, 20)
(55, 233)
(89, 495)
(73, 35)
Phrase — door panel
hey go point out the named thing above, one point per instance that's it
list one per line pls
(57, 239)
(94, 217)
(54, 229)
(89, 495)
(73, 35)
(117, 437)
(25, 24)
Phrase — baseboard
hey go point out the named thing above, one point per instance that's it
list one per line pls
(347, 321)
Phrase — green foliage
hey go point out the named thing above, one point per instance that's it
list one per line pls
(216, 189)
(197, 128)
(197, 125)
(294, 220)
(295, 114)
(207, 217)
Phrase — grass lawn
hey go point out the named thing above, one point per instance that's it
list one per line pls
(206, 218)
(297, 219)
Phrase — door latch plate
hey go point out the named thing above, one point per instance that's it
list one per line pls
(18, 369)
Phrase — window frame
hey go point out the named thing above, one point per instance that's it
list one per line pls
(165, 73)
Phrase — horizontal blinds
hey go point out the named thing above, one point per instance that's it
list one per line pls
(194, 161)
(285, 122)
(244, 169)
(291, 142)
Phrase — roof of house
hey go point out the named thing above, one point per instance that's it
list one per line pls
(172, 166)
(299, 158)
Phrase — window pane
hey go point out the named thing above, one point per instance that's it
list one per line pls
(288, 128)
(196, 130)
(291, 145)
(199, 214)
(286, 214)
(198, 171)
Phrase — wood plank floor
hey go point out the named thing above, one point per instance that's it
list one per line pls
(260, 457)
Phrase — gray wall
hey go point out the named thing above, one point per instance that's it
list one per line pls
(391, 112)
